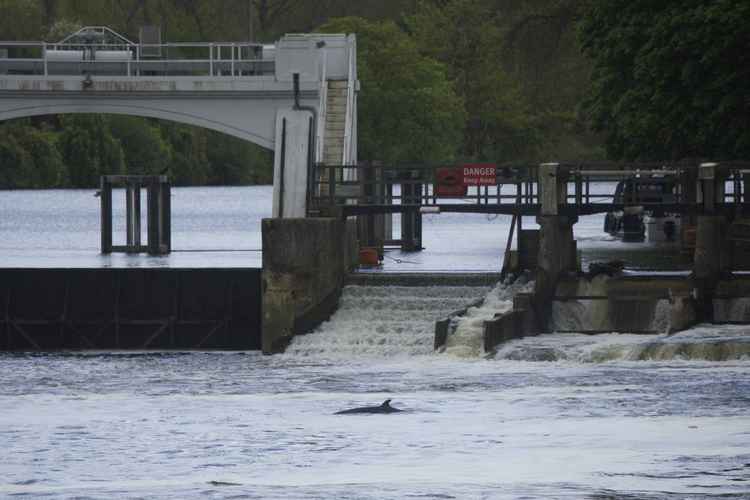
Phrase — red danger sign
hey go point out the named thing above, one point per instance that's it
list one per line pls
(480, 174)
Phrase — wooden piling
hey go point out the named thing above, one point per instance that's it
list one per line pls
(105, 196)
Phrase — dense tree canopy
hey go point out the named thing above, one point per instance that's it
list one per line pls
(408, 109)
(490, 80)
(671, 78)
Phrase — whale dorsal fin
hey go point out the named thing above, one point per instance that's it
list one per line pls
(386, 403)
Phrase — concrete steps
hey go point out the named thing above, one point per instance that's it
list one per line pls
(335, 125)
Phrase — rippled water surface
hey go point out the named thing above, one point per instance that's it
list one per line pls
(563, 416)
(239, 425)
(220, 227)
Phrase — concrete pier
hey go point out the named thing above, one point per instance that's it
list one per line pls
(305, 263)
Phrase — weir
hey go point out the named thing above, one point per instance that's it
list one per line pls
(299, 98)
(709, 199)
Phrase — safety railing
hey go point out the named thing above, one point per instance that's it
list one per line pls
(322, 110)
(224, 59)
(350, 104)
(510, 188)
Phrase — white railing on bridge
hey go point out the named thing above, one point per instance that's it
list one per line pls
(351, 83)
(215, 59)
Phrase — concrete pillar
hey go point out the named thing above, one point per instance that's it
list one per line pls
(712, 253)
(712, 256)
(292, 160)
(689, 191)
(305, 263)
(552, 188)
(557, 256)
(710, 186)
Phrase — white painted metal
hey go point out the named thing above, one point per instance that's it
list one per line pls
(241, 89)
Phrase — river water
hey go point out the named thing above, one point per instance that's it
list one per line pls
(566, 416)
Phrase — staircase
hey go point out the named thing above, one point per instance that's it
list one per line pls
(333, 145)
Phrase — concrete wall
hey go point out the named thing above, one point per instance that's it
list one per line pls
(305, 264)
(47, 309)
(620, 304)
(637, 304)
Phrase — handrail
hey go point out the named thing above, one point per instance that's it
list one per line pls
(349, 118)
(221, 59)
(322, 110)
(420, 187)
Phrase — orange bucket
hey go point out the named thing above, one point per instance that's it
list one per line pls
(368, 257)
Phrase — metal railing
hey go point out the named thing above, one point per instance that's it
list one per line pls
(215, 59)
(589, 188)
(349, 118)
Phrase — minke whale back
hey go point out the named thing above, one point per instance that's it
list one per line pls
(383, 408)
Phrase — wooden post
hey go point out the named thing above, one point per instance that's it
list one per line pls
(129, 207)
(136, 217)
(105, 195)
(153, 200)
(166, 218)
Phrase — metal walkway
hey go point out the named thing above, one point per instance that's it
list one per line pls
(514, 189)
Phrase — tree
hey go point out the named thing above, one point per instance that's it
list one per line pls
(465, 35)
(670, 78)
(16, 164)
(29, 157)
(408, 109)
(89, 150)
(144, 149)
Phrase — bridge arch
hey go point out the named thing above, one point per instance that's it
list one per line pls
(257, 127)
(275, 96)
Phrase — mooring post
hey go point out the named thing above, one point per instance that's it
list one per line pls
(105, 196)
(129, 207)
(712, 256)
(165, 217)
(158, 214)
(136, 217)
(153, 200)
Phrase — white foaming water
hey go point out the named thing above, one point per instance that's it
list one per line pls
(385, 321)
(702, 343)
(466, 339)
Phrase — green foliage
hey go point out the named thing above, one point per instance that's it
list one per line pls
(89, 150)
(485, 79)
(670, 78)
(143, 147)
(464, 35)
(228, 159)
(408, 109)
(29, 158)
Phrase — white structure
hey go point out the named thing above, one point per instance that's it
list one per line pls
(241, 89)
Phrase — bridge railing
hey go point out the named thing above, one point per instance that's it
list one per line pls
(225, 59)
(514, 188)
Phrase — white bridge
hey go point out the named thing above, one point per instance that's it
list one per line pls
(297, 97)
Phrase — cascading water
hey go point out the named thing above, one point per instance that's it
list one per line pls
(466, 337)
(385, 321)
(388, 321)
